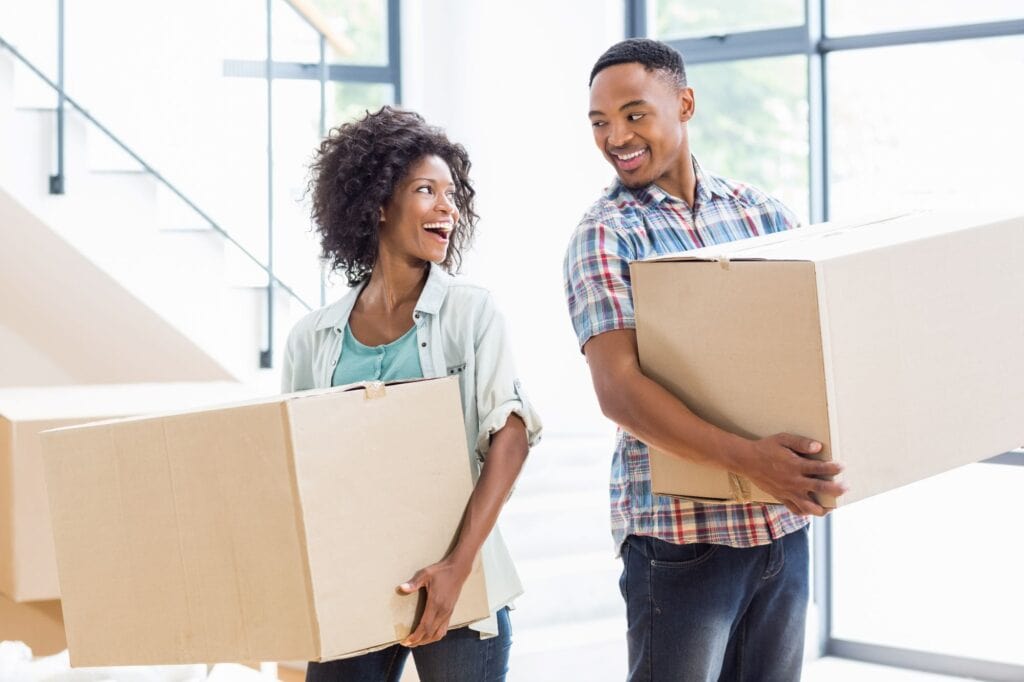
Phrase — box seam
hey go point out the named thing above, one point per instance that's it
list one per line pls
(300, 527)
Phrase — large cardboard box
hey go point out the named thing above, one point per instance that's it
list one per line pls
(899, 344)
(37, 624)
(277, 529)
(28, 571)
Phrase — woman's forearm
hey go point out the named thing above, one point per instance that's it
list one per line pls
(505, 459)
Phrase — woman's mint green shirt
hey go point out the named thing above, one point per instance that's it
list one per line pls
(395, 361)
(459, 332)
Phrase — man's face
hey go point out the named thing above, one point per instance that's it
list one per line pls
(639, 122)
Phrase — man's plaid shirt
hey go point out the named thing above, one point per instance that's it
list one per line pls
(626, 225)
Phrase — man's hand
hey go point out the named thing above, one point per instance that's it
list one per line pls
(778, 466)
(443, 582)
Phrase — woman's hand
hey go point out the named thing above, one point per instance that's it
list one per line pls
(443, 582)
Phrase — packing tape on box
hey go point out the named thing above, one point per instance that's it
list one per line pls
(374, 389)
(740, 488)
(723, 261)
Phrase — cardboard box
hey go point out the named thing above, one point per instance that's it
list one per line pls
(899, 344)
(28, 571)
(277, 529)
(37, 624)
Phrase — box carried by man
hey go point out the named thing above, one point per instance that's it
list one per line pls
(276, 529)
(897, 344)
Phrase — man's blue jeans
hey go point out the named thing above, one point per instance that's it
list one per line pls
(703, 613)
(460, 656)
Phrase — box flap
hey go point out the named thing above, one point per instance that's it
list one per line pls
(177, 540)
(747, 359)
(388, 470)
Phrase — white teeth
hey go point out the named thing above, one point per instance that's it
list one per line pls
(627, 157)
(438, 226)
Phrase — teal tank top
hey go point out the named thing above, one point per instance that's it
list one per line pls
(395, 361)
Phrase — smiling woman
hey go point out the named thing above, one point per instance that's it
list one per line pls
(393, 205)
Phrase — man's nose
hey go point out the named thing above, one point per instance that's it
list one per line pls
(619, 135)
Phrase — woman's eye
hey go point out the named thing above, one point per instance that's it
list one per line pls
(427, 189)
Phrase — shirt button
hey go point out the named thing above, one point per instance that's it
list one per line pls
(424, 344)
(416, 316)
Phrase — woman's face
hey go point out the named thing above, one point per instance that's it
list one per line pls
(421, 214)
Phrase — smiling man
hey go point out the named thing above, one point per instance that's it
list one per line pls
(712, 591)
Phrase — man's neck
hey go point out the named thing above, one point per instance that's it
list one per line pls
(682, 182)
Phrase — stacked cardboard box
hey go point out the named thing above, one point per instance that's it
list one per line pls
(28, 570)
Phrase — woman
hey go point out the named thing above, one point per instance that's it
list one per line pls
(393, 206)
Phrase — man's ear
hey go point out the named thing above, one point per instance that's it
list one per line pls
(686, 104)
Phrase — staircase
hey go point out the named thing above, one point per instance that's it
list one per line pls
(117, 280)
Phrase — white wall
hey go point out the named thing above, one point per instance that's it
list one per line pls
(24, 365)
(509, 81)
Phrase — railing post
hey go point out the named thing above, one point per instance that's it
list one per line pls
(57, 180)
(267, 355)
(323, 131)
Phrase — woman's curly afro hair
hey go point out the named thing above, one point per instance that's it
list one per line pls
(354, 174)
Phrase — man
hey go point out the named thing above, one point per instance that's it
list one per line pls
(712, 591)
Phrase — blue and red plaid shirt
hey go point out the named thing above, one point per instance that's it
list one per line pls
(626, 225)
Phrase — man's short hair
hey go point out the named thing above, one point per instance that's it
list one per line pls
(652, 54)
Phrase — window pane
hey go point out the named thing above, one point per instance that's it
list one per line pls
(935, 566)
(924, 125)
(668, 19)
(872, 16)
(751, 124)
(348, 101)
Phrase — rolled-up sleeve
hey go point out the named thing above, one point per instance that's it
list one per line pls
(499, 391)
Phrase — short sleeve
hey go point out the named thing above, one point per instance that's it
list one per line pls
(499, 391)
(598, 289)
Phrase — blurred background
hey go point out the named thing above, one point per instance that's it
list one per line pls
(158, 152)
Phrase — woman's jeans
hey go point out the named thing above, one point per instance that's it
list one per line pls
(703, 613)
(460, 656)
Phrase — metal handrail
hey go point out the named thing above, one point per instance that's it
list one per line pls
(152, 171)
(312, 16)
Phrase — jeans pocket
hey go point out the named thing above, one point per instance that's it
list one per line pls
(682, 556)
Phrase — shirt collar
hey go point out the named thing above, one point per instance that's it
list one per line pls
(430, 300)
(707, 186)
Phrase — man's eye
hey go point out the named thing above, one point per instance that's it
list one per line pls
(597, 124)
(636, 117)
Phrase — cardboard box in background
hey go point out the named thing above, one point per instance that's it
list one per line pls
(277, 529)
(37, 624)
(898, 344)
(28, 571)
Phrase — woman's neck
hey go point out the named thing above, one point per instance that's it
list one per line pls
(395, 283)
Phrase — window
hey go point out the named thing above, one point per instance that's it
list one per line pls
(669, 19)
(858, 115)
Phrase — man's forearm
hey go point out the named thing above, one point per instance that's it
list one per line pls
(649, 412)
